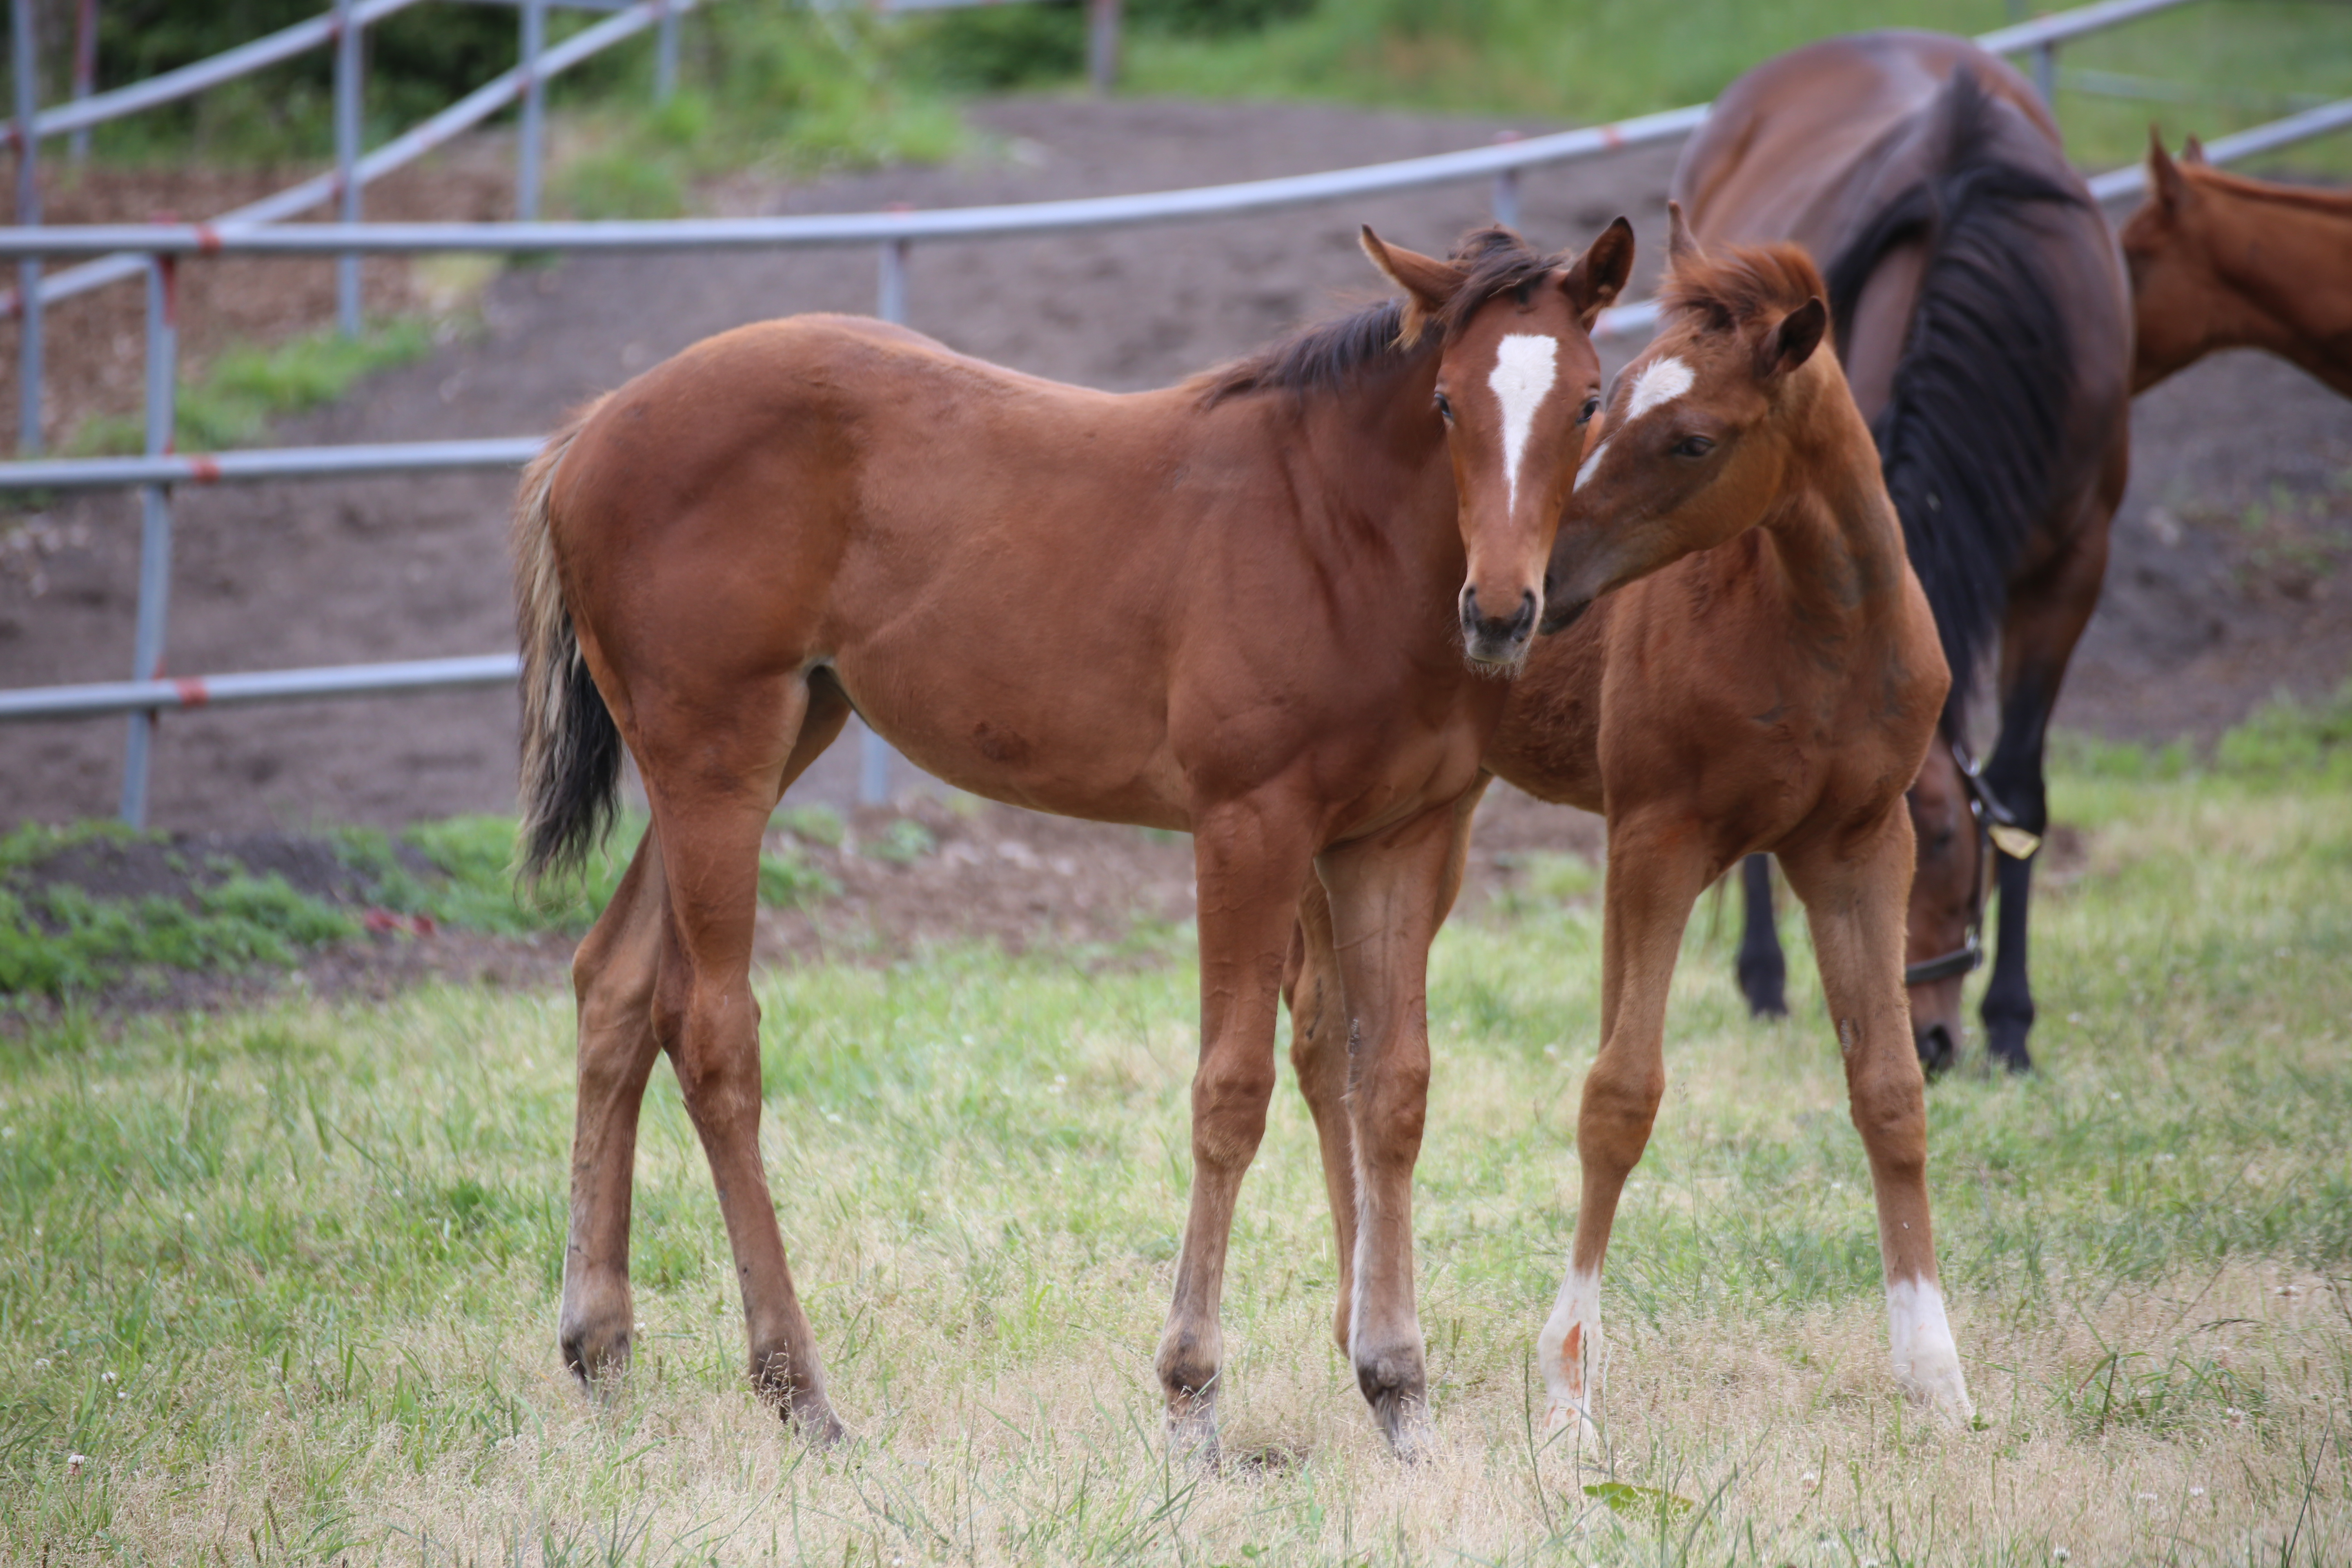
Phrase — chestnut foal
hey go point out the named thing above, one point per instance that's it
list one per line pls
(1267, 606)
(2219, 262)
(1747, 664)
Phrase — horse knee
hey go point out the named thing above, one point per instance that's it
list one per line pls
(1229, 1106)
(1890, 1111)
(1619, 1106)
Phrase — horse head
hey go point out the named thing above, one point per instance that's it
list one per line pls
(1692, 452)
(1518, 384)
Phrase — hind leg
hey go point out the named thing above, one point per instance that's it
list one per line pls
(1763, 969)
(1855, 897)
(613, 977)
(712, 788)
(1320, 1048)
(2046, 618)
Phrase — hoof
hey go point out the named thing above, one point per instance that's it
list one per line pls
(2005, 1041)
(1396, 1386)
(1574, 1433)
(811, 1416)
(597, 1353)
(1193, 1433)
(1927, 1363)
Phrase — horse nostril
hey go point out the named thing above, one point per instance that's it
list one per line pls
(1937, 1052)
(1523, 622)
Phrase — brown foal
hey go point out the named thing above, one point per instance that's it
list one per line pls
(1748, 664)
(1267, 606)
(2220, 262)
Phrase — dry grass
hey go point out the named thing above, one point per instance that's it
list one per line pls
(287, 1281)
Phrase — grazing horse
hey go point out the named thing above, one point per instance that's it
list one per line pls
(1269, 605)
(2220, 262)
(1747, 663)
(1986, 327)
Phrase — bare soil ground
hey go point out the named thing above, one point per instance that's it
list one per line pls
(2228, 580)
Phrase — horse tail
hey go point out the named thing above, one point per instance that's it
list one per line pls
(571, 747)
(1972, 436)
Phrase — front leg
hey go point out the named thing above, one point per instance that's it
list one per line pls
(1250, 859)
(1657, 868)
(1318, 1053)
(1388, 894)
(1854, 893)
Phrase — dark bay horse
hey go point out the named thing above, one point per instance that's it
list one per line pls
(1747, 664)
(1985, 323)
(1269, 607)
(2219, 262)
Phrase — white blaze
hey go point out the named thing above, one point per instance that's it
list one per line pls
(1526, 365)
(1662, 381)
(1591, 463)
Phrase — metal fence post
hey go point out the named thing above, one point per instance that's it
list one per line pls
(29, 215)
(1506, 187)
(347, 158)
(2045, 73)
(891, 304)
(154, 524)
(665, 53)
(534, 111)
(85, 71)
(1102, 45)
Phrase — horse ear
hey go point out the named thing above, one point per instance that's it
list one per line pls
(1428, 283)
(2192, 150)
(1792, 342)
(1599, 276)
(1681, 244)
(2164, 180)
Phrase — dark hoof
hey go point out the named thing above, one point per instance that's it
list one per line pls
(2006, 1044)
(598, 1360)
(1397, 1387)
(1938, 1052)
(813, 1418)
(1764, 982)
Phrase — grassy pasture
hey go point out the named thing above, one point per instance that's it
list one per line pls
(286, 1282)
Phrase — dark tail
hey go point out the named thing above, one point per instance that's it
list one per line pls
(1970, 439)
(570, 748)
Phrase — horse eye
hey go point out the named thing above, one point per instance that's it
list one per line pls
(1444, 408)
(1591, 408)
(1692, 446)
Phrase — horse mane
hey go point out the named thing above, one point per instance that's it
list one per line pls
(1972, 433)
(1741, 284)
(2333, 204)
(1328, 356)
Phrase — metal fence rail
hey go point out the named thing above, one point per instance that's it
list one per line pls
(157, 249)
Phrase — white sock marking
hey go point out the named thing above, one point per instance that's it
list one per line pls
(1526, 365)
(1926, 1362)
(1662, 381)
(1569, 1349)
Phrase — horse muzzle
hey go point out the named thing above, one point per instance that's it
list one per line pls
(1497, 639)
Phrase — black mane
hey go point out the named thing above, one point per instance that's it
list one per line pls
(1329, 355)
(1971, 437)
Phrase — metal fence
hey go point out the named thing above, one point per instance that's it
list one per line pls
(159, 248)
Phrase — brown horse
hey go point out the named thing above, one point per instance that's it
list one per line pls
(1239, 606)
(1986, 327)
(2220, 262)
(1748, 665)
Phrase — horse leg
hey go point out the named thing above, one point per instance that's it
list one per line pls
(1322, 1044)
(1763, 969)
(613, 977)
(1855, 895)
(1388, 894)
(712, 791)
(1319, 1051)
(1250, 859)
(1656, 873)
(2044, 622)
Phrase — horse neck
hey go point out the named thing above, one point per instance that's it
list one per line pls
(1831, 525)
(2282, 253)
(1368, 463)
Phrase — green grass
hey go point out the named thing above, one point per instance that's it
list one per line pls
(287, 1280)
(246, 386)
(1588, 60)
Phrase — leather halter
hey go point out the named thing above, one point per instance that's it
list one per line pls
(1996, 829)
